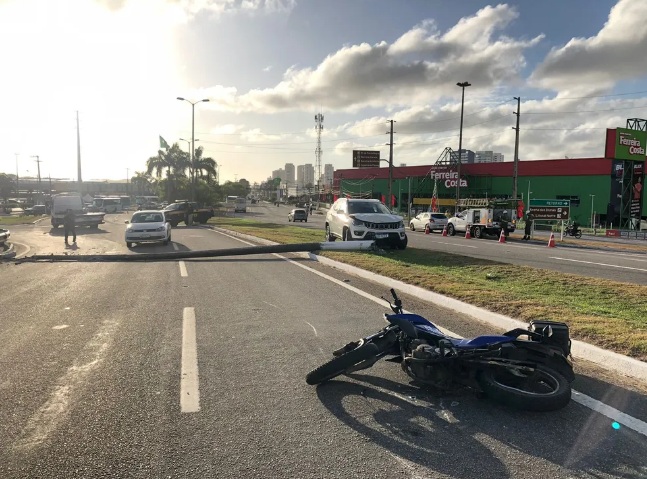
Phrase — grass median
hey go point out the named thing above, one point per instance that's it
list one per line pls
(19, 220)
(609, 314)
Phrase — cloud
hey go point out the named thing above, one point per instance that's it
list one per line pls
(423, 64)
(616, 53)
(267, 68)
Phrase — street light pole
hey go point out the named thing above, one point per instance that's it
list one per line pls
(192, 141)
(40, 191)
(592, 218)
(17, 179)
(463, 85)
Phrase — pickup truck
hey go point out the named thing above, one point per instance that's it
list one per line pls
(64, 201)
(482, 221)
(176, 213)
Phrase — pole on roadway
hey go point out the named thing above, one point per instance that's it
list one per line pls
(192, 169)
(516, 150)
(177, 255)
(463, 85)
(390, 143)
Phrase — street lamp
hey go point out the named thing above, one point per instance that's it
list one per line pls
(463, 85)
(188, 147)
(40, 191)
(193, 103)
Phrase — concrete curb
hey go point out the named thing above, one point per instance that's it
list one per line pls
(606, 359)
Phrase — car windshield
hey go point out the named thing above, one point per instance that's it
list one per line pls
(355, 207)
(147, 218)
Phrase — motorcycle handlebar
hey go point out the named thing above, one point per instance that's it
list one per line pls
(395, 296)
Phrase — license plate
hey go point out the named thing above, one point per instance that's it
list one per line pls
(381, 235)
(146, 236)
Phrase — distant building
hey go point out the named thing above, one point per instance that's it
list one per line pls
(300, 176)
(280, 173)
(289, 173)
(488, 157)
(328, 175)
(309, 174)
(467, 156)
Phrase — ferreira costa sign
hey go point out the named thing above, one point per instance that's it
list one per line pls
(624, 144)
(448, 178)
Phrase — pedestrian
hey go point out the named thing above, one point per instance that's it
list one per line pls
(69, 224)
(528, 228)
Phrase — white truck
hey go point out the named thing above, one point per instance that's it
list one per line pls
(72, 201)
(487, 220)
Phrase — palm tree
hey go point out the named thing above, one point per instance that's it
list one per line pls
(205, 167)
(142, 181)
(173, 160)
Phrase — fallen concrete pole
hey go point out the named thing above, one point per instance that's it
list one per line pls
(213, 253)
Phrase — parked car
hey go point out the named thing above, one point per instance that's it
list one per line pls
(298, 214)
(148, 227)
(36, 210)
(365, 219)
(436, 221)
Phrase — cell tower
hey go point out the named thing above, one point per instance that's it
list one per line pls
(319, 118)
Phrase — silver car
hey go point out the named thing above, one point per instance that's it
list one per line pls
(365, 219)
(436, 221)
(148, 226)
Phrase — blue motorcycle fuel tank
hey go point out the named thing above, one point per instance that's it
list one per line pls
(425, 328)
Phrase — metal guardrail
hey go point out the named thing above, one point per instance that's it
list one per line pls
(4, 236)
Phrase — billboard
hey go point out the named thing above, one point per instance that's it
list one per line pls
(625, 144)
(366, 159)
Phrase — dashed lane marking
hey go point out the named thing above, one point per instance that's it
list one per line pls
(189, 382)
(183, 271)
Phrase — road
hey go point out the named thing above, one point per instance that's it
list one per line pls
(196, 369)
(623, 266)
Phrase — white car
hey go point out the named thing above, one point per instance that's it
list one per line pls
(436, 221)
(148, 226)
(365, 219)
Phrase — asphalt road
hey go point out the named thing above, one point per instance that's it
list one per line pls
(97, 378)
(623, 266)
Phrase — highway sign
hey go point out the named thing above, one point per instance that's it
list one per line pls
(366, 159)
(555, 203)
(549, 212)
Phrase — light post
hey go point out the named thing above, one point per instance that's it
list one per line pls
(40, 191)
(193, 103)
(463, 85)
(592, 215)
(17, 179)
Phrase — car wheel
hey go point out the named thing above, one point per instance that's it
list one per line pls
(478, 232)
(305, 221)
(451, 231)
(129, 244)
(289, 220)
(402, 244)
(346, 235)
(329, 235)
(411, 227)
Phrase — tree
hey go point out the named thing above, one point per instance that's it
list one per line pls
(204, 168)
(174, 161)
(142, 181)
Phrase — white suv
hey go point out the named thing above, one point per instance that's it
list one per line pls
(360, 219)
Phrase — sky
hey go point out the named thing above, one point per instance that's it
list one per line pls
(268, 67)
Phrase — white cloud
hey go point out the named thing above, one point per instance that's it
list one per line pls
(421, 65)
(616, 53)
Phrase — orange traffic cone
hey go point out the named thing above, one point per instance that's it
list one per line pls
(551, 241)
(502, 237)
(427, 230)
(444, 230)
(467, 232)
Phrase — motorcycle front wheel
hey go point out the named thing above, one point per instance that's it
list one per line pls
(341, 364)
(541, 390)
(578, 234)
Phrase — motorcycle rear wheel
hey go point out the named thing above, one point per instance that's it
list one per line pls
(341, 364)
(543, 390)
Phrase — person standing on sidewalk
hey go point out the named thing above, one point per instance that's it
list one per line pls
(69, 224)
(528, 228)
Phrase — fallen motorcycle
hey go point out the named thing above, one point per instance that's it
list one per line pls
(533, 374)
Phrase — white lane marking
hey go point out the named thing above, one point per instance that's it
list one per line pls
(313, 328)
(183, 271)
(175, 247)
(56, 409)
(454, 244)
(189, 382)
(610, 412)
(273, 305)
(593, 404)
(598, 264)
(61, 326)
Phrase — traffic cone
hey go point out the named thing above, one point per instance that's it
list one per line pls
(551, 240)
(467, 232)
(427, 231)
(445, 230)
(502, 237)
